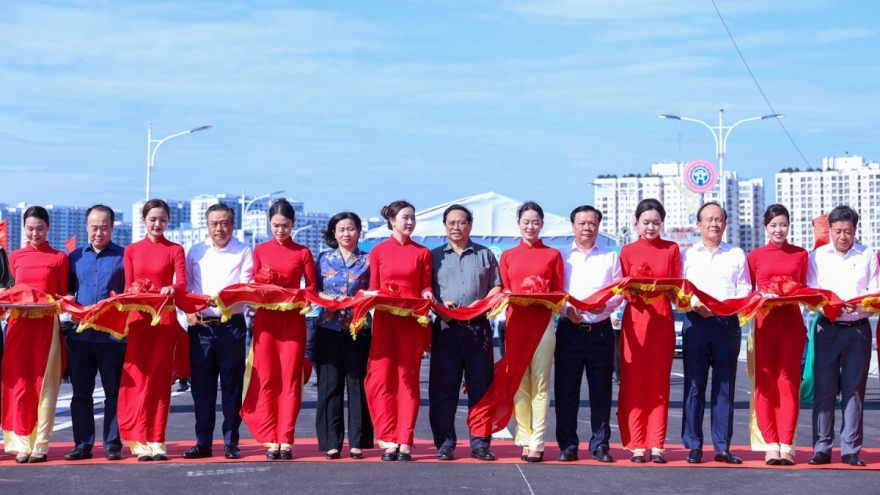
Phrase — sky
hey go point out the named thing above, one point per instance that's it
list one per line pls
(349, 105)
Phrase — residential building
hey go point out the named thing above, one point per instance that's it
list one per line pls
(65, 222)
(180, 217)
(847, 180)
(751, 214)
(617, 198)
(308, 230)
(188, 224)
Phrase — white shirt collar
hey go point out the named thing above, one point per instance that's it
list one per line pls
(209, 243)
(723, 246)
(574, 247)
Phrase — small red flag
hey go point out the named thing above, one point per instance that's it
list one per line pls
(70, 244)
(4, 229)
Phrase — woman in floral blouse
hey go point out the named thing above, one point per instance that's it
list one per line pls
(341, 360)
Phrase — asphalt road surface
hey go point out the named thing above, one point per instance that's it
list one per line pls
(450, 477)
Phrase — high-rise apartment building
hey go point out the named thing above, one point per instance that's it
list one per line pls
(848, 180)
(188, 224)
(307, 230)
(180, 217)
(200, 204)
(64, 223)
(617, 198)
(751, 214)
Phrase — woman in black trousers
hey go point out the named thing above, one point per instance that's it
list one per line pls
(341, 360)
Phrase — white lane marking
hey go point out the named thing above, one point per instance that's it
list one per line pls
(220, 472)
(68, 424)
(502, 435)
(524, 479)
(63, 403)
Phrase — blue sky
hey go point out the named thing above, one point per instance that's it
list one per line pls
(349, 105)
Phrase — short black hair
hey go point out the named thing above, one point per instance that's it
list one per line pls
(585, 208)
(648, 205)
(329, 234)
(776, 210)
(843, 213)
(103, 209)
(282, 207)
(529, 206)
(36, 212)
(710, 203)
(220, 207)
(457, 207)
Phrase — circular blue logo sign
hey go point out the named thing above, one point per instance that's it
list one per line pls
(700, 176)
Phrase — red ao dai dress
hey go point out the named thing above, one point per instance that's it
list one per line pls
(647, 347)
(274, 380)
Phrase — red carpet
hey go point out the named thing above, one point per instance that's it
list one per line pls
(305, 449)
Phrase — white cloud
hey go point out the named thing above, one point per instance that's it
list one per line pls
(309, 98)
(656, 10)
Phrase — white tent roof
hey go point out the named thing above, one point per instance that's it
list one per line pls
(494, 217)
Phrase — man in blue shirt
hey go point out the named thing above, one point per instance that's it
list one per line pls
(95, 271)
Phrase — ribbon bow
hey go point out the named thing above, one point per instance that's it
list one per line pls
(781, 285)
(390, 289)
(534, 284)
(267, 275)
(643, 271)
(142, 286)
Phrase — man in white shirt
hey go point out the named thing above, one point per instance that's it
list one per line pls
(585, 341)
(709, 340)
(216, 348)
(842, 347)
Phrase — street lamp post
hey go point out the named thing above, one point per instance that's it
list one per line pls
(244, 209)
(721, 134)
(297, 231)
(151, 150)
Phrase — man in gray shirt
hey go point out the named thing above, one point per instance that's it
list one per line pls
(464, 273)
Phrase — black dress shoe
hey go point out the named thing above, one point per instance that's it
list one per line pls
(330, 456)
(273, 455)
(77, 454)
(658, 459)
(356, 455)
(389, 456)
(539, 458)
(772, 462)
(568, 455)
(145, 458)
(445, 453)
(601, 454)
(786, 462)
(523, 457)
(22, 459)
(695, 456)
(852, 460)
(38, 458)
(819, 458)
(198, 452)
(232, 452)
(160, 457)
(638, 459)
(483, 454)
(113, 454)
(404, 456)
(285, 455)
(727, 457)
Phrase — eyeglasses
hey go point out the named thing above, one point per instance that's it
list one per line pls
(460, 224)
